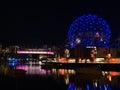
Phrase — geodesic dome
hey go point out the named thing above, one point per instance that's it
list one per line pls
(89, 30)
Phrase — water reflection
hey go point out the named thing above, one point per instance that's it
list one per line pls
(33, 69)
(78, 79)
(88, 79)
(37, 70)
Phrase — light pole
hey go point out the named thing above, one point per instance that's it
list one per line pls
(77, 50)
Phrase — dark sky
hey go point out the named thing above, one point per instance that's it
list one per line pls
(50, 23)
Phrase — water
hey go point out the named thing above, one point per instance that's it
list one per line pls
(38, 78)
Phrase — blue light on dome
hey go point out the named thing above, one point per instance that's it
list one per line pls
(91, 30)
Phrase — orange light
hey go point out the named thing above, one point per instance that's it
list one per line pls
(113, 60)
(114, 73)
(62, 72)
(63, 60)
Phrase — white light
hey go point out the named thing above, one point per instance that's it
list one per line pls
(78, 40)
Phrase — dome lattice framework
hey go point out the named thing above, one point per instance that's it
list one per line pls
(89, 30)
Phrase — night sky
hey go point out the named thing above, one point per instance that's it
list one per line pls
(49, 24)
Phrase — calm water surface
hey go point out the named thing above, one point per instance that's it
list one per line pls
(38, 78)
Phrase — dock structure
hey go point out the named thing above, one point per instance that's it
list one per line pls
(72, 65)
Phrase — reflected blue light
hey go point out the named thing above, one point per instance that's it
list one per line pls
(100, 87)
(105, 88)
(88, 88)
(13, 64)
(71, 86)
(12, 61)
(94, 87)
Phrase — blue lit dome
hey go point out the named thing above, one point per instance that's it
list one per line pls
(89, 30)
